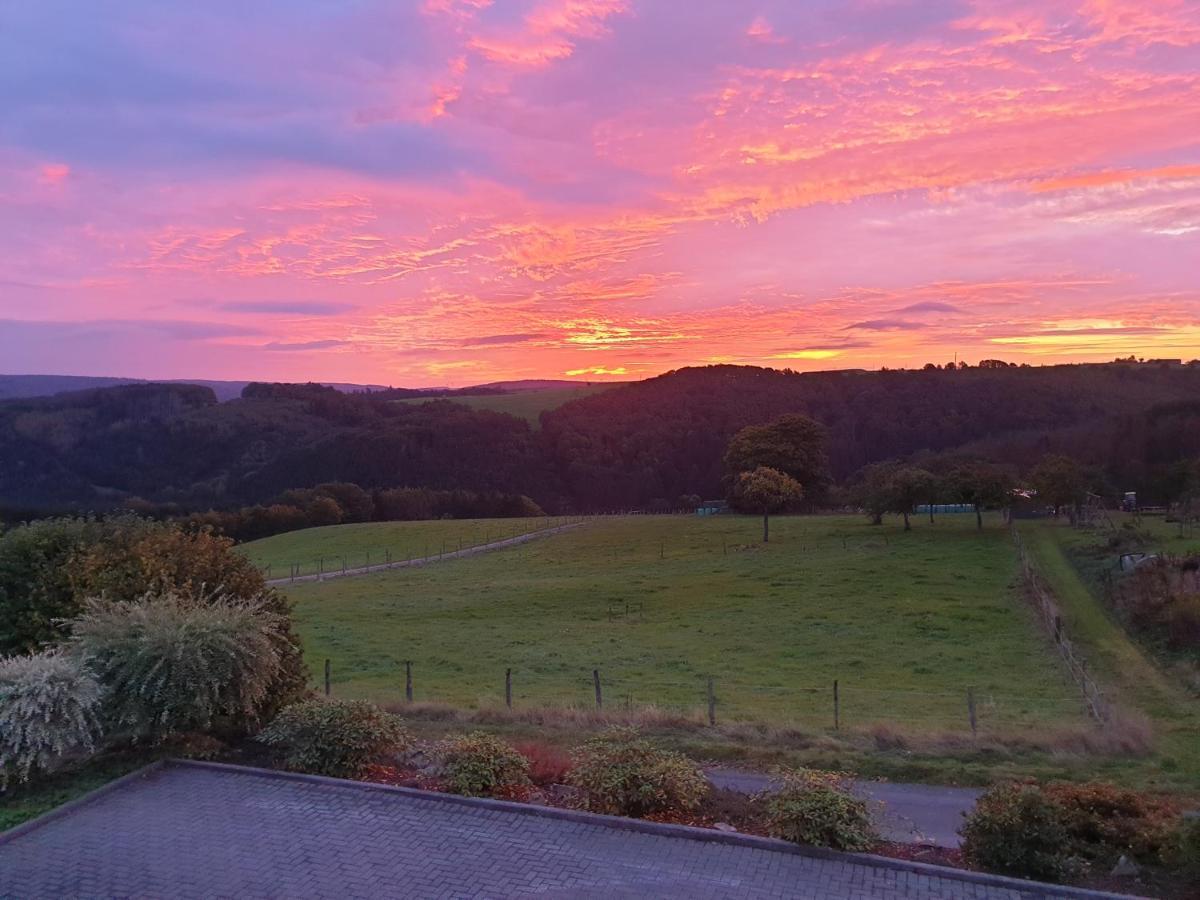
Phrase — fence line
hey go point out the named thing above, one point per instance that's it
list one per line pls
(1051, 618)
(323, 574)
(712, 698)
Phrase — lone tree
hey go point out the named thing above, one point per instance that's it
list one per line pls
(983, 485)
(768, 490)
(1061, 482)
(792, 444)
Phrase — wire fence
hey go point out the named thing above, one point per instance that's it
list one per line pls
(1051, 618)
(834, 705)
(418, 551)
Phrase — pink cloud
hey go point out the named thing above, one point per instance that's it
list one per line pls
(473, 190)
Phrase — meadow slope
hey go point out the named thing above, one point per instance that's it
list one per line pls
(905, 622)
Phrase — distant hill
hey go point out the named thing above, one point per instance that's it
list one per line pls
(546, 384)
(525, 402)
(604, 447)
(16, 386)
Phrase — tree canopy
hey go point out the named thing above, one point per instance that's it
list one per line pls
(766, 490)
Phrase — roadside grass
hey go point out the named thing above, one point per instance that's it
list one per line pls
(1126, 671)
(906, 622)
(366, 543)
(527, 405)
(21, 803)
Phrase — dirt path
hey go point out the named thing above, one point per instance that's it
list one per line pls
(425, 560)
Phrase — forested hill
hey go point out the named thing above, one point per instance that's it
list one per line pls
(666, 436)
(625, 447)
(175, 443)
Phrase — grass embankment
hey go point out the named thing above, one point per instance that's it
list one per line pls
(1127, 672)
(369, 543)
(905, 623)
(527, 405)
(24, 802)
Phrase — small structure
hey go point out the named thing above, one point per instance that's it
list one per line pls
(712, 507)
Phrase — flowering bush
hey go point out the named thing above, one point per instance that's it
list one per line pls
(621, 774)
(480, 765)
(339, 738)
(49, 710)
(815, 808)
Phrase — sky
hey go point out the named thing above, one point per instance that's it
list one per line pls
(450, 192)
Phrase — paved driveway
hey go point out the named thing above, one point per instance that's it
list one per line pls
(188, 831)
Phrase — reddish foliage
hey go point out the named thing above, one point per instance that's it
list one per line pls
(547, 764)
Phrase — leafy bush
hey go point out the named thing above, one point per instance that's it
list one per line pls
(621, 774)
(480, 765)
(172, 665)
(49, 710)
(1104, 822)
(50, 569)
(547, 763)
(340, 738)
(815, 808)
(36, 588)
(1063, 829)
(1018, 830)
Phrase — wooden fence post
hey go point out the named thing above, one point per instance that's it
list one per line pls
(508, 688)
(712, 704)
(837, 709)
(408, 681)
(971, 709)
(596, 682)
(328, 680)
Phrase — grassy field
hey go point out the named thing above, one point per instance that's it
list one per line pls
(1128, 673)
(528, 405)
(370, 543)
(905, 622)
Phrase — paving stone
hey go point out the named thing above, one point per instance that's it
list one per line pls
(201, 833)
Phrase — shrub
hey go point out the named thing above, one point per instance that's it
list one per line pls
(621, 774)
(1016, 829)
(49, 710)
(340, 738)
(547, 764)
(815, 808)
(171, 664)
(1062, 829)
(1104, 822)
(480, 765)
(50, 569)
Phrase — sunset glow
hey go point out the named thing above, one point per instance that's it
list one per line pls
(448, 192)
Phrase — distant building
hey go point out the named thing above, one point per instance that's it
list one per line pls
(712, 507)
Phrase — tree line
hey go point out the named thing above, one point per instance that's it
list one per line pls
(174, 450)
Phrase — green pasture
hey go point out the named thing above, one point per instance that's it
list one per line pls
(372, 543)
(528, 405)
(905, 622)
